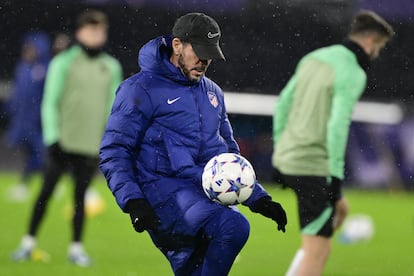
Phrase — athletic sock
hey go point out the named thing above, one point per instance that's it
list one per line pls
(294, 265)
(28, 242)
(76, 248)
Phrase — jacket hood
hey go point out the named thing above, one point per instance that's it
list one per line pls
(41, 42)
(154, 57)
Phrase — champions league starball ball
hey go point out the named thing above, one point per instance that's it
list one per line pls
(228, 179)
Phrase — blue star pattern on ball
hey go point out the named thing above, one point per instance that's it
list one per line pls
(241, 161)
(233, 187)
(212, 194)
(215, 167)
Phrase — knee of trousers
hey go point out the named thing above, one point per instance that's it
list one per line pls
(233, 229)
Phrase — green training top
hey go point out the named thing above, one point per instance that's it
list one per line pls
(78, 96)
(313, 114)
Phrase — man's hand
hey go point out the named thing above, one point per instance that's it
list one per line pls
(341, 212)
(271, 209)
(142, 216)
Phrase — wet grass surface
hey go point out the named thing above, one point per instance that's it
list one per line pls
(117, 250)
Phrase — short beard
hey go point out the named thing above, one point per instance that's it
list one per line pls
(185, 71)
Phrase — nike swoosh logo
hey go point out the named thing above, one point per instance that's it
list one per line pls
(169, 101)
(211, 35)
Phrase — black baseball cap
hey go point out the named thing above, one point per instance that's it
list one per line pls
(202, 32)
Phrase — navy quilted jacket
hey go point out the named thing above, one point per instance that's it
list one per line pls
(163, 126)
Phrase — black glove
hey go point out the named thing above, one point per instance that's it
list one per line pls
(271, 209)
(335, 191)
(142, 215)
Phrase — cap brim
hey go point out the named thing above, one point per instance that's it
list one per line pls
(208, 51)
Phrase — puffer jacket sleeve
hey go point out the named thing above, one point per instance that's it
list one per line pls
(125, 129)
(258, 193)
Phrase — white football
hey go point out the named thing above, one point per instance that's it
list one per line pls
(357, 228)
(228, 179)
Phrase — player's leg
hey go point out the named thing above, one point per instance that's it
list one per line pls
(294, 265)
(214, 249)
(187, 260)
(35, 157)
(197, 236)
(56, 165)
(316, 222)
(84, 169)
(316, 251)
(227, 233)
(221, 233)
(54, 168)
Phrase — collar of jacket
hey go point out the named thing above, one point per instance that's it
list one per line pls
(362, 57)
(91, 52)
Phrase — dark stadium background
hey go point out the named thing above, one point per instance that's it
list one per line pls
(262, 41)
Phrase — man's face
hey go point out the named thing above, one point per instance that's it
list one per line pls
(191, 66)
(93, 36)
(378, 43)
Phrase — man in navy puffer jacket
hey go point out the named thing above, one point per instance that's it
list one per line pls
(166, 123)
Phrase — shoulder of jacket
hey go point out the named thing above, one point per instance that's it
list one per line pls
(329, 51)
(112, 61)
(66, 56)
(137, 82)
(353, 71)
(211, 85)
(338, 56)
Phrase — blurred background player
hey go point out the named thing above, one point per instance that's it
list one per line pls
(25, 131)
(167, 122)
(60, 43)
(79, 91)
(311, 125)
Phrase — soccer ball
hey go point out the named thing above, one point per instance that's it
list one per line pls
(357, 228)
(228, 179)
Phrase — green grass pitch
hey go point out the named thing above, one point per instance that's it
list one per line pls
(117, 250)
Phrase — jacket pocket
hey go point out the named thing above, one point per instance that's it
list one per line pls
(154, 155)
(179, 155)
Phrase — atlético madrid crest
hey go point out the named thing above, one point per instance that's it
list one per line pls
(213, 98)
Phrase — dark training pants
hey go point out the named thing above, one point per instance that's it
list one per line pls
(198, 237)
(82, 169)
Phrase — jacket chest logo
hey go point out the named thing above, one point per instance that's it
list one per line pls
(171, 101)
(212, 98)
